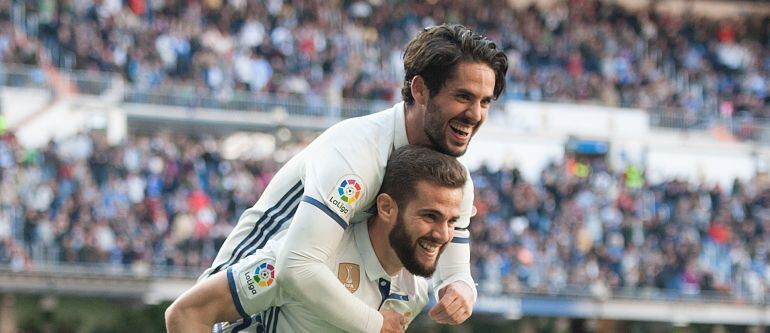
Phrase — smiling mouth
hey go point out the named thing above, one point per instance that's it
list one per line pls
(429, 247)
(461, 130)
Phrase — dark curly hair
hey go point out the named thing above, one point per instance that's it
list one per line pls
(411, 164)
(435, 53)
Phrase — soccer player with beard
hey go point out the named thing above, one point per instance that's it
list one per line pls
(452, 75)
(417, 207)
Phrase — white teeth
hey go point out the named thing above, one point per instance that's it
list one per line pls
(465, 129)
(428, 246)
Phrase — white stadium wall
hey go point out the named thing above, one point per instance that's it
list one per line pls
(581, 120)
(18, 104)
(528, 135)
(37, 117)
(704, 161)
(497, 149)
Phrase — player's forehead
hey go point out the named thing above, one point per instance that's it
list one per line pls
(432, 197)
(477, 78)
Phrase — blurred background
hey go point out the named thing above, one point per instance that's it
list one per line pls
(621, 180)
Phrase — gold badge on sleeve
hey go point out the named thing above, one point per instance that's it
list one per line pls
(350, 275)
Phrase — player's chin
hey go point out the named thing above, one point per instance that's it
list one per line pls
(454, 149)
(427, 266)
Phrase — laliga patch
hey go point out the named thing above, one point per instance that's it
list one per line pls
(256, 278)
(345, 196)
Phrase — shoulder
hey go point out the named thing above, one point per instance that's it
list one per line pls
(358, 146)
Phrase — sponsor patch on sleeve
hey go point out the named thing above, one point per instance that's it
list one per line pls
(345, 196)
(253, 279)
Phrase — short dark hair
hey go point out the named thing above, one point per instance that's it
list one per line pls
(436, 51)
(411, 164)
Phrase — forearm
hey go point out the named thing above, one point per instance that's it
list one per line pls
(454, 264)
(329, 299)
(182, 321)
(205, 304)
(453, 286)
(304, 275)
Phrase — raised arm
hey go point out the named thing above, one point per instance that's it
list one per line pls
(335, 188)
(454, 287)
(303, 273)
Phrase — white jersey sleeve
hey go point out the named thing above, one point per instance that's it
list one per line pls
(253, 284)
(454, 263)
(334, 192)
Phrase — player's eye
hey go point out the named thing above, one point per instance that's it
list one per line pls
(463, 97)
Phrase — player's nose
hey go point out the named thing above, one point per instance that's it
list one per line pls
(475, 112)
(442, 232)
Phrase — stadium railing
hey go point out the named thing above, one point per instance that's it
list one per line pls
(78, 82)
(20, 76)
(142, 271)
(296, 105)
(94, 83)
(740, 127)
(156, 284)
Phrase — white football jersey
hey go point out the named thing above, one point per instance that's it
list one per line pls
(339, 174)
(253, 287)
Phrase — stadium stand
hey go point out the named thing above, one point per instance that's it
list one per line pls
(172, 199)
(163, 202)
(610, 229)
(576, 51)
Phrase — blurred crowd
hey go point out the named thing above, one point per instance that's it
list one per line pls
(582, 226)
(163, 200)
(572, 50)
(166, 201)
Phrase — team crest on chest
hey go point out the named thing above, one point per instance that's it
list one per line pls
(350, 275)
(348, 191)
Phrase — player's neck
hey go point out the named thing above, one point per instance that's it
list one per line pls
(378, 235)
(413, 116)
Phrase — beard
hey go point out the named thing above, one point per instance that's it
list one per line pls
(406, 249)
(436, 133)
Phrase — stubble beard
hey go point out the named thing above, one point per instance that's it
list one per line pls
(406, 250)
(432, 126)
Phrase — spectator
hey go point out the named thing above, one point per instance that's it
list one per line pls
(584, 51)
(174, 199)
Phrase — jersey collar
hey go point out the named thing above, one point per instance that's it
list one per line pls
(372, 266)
(399, 138)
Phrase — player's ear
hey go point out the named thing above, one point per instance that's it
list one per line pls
(386, 206)
(419, 90)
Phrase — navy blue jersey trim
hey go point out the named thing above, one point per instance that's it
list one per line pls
(275, 228)
(266, 222)
(399, 297)
(246, 323)
(270, 319)
(276, 312)
(234, 293)
(267, 318)
(260, 225)
(384, 286)
(461, 240)
(326, 210)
